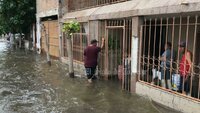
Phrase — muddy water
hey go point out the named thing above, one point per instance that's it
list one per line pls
(29, 85)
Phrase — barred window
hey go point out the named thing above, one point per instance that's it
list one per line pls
(169, 55)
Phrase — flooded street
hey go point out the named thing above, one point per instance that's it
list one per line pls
(29, 85)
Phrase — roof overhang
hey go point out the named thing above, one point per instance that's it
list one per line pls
(135, 8)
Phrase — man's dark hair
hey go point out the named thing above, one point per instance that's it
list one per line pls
(93, 41)
(169, 45)
(182, 44)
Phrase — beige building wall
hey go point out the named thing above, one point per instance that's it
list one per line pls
(46, 5)
(45, 8)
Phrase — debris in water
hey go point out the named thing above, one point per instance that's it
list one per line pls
(6, 93)
(80, 76)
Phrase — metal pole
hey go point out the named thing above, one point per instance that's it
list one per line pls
(154, 50)
(60, 28)
(47, 43)
(149, 46)
(144, 47)
(194, 49)
(161, 22)
(171, 63)
(140, 48)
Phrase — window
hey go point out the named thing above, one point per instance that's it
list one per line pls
(166, 42)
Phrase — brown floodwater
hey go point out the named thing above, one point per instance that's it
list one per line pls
(29, 85)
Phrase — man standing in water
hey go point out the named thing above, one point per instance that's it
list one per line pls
(90, 58)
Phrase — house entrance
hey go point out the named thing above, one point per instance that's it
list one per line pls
(116, 58)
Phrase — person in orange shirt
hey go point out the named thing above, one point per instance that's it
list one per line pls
(185, 68)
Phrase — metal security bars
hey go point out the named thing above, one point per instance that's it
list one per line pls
(169, 55)
(85, 4)
(80, 41)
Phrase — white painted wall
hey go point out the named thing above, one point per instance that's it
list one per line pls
(134, 54)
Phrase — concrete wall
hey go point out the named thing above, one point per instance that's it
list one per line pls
(78, 67)
(169, 99)
(93, 29)
(97, 30)
(136, 24)
(45, 8)
(46, 5)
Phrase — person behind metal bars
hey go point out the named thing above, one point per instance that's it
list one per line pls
(90, 58)
(185, 67)
(165, 66)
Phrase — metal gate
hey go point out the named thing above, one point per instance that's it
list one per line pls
(117, 54)
(51, 28)
(114, 51)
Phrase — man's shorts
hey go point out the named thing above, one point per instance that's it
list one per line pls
(90, 72)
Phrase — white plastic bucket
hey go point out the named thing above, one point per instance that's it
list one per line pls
(176, 80)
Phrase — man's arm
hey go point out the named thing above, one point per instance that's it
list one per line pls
(188, 58)
(163, 57)
(84, 55)
(102, 43)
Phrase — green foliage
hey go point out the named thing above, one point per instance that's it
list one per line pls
(17, 15)
(71, 27)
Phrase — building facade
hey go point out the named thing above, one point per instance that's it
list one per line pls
(48, 27)
(135, 33)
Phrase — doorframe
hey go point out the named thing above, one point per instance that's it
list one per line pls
(107, 28)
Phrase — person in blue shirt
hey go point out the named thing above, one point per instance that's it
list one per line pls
(166, 65)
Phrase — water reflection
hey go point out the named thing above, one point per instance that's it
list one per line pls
(29, 85)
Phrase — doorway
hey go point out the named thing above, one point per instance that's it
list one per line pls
(116, 57)
(114, 52)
